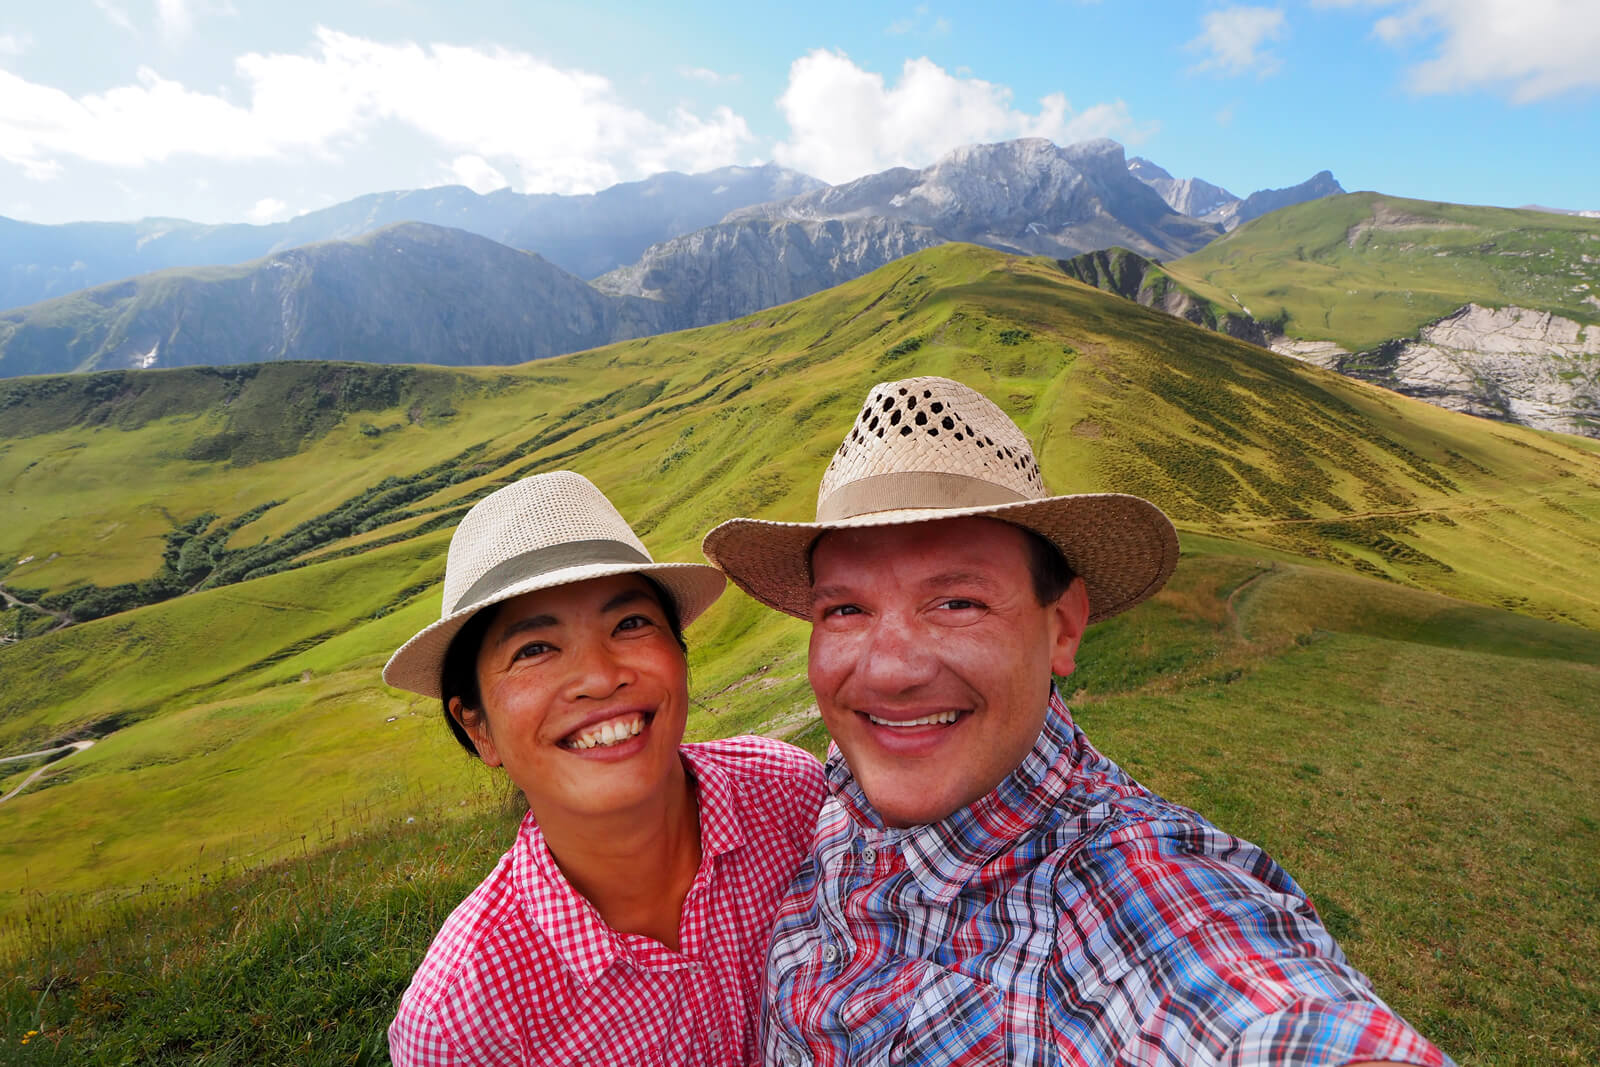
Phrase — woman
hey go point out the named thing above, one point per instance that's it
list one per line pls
(629, 921)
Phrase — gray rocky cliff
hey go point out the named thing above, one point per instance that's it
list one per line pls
(735, 268)
(1212, 203)
(1029, 196)
(1513, 364)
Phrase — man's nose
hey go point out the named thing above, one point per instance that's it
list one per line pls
(897, 656)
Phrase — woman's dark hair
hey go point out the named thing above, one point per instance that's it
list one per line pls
(458, 677)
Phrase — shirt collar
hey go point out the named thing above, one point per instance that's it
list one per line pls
(586, 946)
(943, 856)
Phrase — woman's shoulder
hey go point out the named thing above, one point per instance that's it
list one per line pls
(750, 755)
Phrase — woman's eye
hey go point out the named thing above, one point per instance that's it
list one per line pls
(531, 649)
(635, 622)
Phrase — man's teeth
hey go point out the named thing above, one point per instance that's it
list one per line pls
(607, 733)
(938, 717)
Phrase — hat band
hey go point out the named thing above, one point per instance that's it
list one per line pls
(551, 558)
(912, 489)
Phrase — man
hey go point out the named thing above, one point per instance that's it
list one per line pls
(986, 887)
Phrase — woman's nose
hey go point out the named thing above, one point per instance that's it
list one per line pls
(598, 672)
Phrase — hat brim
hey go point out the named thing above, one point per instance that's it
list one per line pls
(417, 664)
(1122, 546)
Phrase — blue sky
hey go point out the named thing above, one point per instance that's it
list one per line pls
(244, 110)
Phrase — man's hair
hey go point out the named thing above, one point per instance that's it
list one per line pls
(1047, 566)
(458, 677)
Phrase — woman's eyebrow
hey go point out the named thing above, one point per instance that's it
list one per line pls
(530, 622)
(626, 597)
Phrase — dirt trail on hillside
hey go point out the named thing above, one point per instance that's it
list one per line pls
(61, 617)
(75, 746)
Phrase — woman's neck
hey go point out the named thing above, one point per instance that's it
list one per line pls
(635, 867)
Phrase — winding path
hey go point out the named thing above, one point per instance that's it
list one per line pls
(61, 617)
(71, 746)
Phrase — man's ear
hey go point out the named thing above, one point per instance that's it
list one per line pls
(476, 724)
(1069, 615)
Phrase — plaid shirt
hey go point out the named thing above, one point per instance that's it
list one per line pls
(526, 972)
(1070, 916)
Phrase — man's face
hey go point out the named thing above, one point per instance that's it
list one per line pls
(931, 658)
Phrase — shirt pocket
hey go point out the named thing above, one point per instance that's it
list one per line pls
(952, 1018)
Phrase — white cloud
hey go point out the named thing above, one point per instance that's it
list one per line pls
(845, 122)
(269, 209)
(707, 75)
(566, 130)
(477, 174)
(921, 22)
(14, 44)
(115, 15)
(1232, 40)
(1532, 49)
(175, 17)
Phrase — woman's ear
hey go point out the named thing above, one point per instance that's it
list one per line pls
(476, 724)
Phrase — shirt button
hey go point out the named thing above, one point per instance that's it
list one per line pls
(830, 953)
(791, 1057)
(869, 855)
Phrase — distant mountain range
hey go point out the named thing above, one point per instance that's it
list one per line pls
(583, 235)
(408, 293)
(706, 248)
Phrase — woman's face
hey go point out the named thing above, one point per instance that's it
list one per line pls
(585, 695)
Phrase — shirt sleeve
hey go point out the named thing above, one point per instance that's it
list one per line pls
(1209, 953)
(417, 1040)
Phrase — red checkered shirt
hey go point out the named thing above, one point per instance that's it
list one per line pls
(526, 972)
(1068, 917)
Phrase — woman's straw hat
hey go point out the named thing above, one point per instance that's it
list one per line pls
(930, 448)
(544, 531)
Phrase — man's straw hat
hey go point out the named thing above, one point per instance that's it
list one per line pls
(930, 448)
(544, 531)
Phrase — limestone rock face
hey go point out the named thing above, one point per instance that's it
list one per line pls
(1511, 363)
(1028, 195)
(735, 268)
(1194, 197)
(1212, 203)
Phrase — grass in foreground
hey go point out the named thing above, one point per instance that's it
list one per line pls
(298, 962)
(1421, 766)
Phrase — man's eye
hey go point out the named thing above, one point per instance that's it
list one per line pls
(956, 603)
(840, 609)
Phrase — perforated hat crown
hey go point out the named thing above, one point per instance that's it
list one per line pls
(923, 449)
(543, 531)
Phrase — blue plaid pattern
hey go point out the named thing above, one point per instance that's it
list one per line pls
(1069, 917)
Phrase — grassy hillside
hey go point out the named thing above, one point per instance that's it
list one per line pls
(1374, 595)
(1363, 268)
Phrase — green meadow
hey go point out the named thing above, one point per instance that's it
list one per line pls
(1378, 657)
(1363, 268)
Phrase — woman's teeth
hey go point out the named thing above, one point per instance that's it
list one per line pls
(938, 717)
(606, 733)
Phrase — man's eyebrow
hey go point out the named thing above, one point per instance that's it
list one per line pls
(829, 592)
(959, 578)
